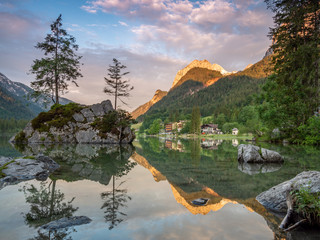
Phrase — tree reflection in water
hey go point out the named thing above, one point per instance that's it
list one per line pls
(115, 200)
(47, 204)
(61, 234)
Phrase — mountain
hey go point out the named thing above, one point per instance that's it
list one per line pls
(198, 64)
(227, 95)
(145, 107)
(14, 102)
(200, 71)
(206, 76)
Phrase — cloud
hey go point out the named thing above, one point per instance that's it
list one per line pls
(123, 24)
(221, 30)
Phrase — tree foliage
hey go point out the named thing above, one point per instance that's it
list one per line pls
(60, 64)
(195, 120)
(291, 94)
(116, 86)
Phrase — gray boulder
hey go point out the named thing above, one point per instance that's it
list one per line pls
(88, 114)
(22, 169)
(78, 117)
(66, 222)
(275, 198)
(253, 154)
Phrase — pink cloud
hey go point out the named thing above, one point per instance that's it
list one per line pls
(211, 12)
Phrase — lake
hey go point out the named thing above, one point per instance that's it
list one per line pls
(147, 191)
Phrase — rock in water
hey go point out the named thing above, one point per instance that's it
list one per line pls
(22, 169)
(252, 154)
(75, 123)
(66, 222)
(275, 198)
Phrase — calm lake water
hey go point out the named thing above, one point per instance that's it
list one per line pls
(145, 191)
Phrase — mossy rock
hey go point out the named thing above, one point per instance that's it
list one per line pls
(58, 116)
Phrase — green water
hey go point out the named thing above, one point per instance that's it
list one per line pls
(145, 191)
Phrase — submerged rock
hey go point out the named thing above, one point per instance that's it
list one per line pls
(253, 154)
(275, 198)
(75, 124)
(66, 222)
(22, 169)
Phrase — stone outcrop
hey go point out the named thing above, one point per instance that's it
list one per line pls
(275, 198)
(253, 154)
(145, 107)
(200, 64)
(22, 169)
(66, 222)
(81, 128)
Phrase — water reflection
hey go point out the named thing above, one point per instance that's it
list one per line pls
(47, 204)
(101, 163)
(210, 143)
(114, 201)
(123, 196)
(85, 161)
(257, 168)
(199, 172)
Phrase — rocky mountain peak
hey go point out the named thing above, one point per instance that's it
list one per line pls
(145, 107)
(198, 64)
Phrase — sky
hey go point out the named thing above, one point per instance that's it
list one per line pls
(154, 39)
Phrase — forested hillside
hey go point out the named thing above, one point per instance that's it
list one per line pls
(228, 95)
(12, 106)
(14, 101)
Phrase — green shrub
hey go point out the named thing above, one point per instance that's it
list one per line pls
(57, 116)
(20, 137)
(112, 121)
(307, 204)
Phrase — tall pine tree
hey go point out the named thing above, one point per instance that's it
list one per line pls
(291, 94)
(60, 65)
(195, 120)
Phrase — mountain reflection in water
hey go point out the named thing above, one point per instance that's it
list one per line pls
(110, 184)
(208, 168)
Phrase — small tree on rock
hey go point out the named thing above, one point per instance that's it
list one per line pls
(60, 64)
(116, 86)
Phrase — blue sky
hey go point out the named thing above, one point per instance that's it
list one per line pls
(153, 38)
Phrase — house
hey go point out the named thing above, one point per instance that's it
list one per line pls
(170, 127)
(235, 131)
(175, 125)
(180, 125)
(209, 128)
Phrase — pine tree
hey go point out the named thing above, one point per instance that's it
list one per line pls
(292, 93)
(60, 65)
(195, 120)
(116, 86)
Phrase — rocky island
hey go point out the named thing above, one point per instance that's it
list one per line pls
(75, 123)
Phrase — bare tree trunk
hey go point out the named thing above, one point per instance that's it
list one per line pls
(292, 220)
(52, 198)
(116, 95)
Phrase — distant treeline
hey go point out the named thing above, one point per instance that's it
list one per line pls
(12, 125)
